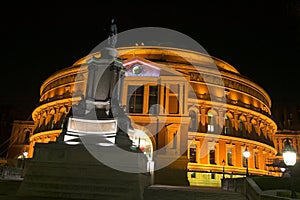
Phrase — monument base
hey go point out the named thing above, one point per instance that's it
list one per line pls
(70, 172)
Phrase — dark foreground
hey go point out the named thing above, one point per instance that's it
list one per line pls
(9, 188)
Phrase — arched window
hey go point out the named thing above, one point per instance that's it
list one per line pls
(211, 122)
(51, 121)
(174, 140)
(193, 122)
(227, 125)
(62, 117)
(241, 126)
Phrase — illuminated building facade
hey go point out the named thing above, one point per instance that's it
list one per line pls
(287, 117)
(208, 110)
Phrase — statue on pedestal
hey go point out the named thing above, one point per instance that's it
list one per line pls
(101, 103)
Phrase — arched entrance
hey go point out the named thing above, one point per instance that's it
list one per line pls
(140, 139)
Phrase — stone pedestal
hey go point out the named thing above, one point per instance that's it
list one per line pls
(174, 174)
(70, 172)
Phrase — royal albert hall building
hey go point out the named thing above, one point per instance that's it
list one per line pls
(207, 109)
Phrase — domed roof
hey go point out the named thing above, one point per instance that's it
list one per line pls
(170, 54)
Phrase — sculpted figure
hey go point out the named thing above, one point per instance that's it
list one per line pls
(112, 37)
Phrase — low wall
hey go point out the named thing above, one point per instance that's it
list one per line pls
(248, 187)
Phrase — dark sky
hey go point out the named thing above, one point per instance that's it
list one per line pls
(259, 38)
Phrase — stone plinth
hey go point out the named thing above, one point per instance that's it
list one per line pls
(173, 174)
(70, 172)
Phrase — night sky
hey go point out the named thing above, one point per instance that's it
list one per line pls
(259, 38)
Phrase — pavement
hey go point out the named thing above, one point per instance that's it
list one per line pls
(9, 188)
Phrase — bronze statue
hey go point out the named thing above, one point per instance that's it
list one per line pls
(112, 37)
(102, 99)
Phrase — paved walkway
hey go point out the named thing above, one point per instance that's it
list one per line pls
(8, 189)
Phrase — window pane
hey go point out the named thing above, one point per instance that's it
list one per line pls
(173, 105)
(193, 154)
(256, 160)
(227, 125)
(229, 156)
(212, 159)
(153, 100)
(210, 125)
(136, 99)
(173, 99)
(193, 122)
(173, 89)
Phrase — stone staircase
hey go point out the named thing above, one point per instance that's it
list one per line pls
(164, 192)
(71, 172)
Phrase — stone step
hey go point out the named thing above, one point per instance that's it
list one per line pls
(78, 180)
(163, 192)
(64, 175)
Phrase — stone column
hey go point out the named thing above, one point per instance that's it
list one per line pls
(180, 100)
(251, 158)
(238, 153)
(221, 120)
(204, 151)
(280, 145)
(146, 99)
(202, 119)
(261, 161)
(222, 151)
(248, 124)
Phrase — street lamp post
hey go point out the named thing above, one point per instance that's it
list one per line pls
(246, 154)
(290, 157)
(223, 164)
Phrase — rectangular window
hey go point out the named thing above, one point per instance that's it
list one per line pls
(173, 99)
(256, 160)
(227, 131)
(210, 128)
(153, 100)
(135, 97)
(213, 175)
(193, 175)
(193, 155)
(229, 156)
(212, 156)
(174, 140)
